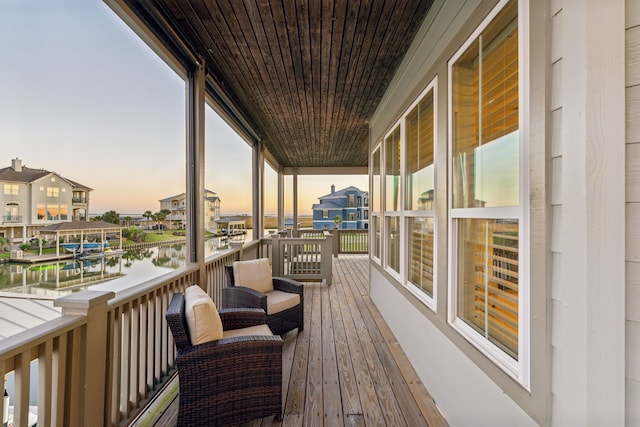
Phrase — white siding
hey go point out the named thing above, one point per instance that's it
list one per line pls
(632, 212)
(587, 209)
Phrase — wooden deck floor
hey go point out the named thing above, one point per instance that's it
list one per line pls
(346, 367)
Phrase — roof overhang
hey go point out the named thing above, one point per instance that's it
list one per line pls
(303, 77)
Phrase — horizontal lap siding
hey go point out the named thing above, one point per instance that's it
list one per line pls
(559, 293)
(633, 212)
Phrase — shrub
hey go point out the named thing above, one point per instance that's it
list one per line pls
(134, 234)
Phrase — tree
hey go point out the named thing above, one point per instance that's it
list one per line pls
(112, 217)
(164, 213)
(4, 244)
(127, 220)
(337, 220)
(148, 215)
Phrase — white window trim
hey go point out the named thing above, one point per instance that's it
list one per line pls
(392, 214)
(517, 369)
(376, 214)
(429, 301)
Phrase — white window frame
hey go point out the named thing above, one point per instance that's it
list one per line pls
(520, 369)
(376, 215)
(429, 301)
(386, 216)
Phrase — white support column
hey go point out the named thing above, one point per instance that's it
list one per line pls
(280, 200)
(295, 200)
(195, 101)
(258, 190)
(588, 332)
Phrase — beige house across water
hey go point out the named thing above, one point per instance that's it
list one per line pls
(34, 198)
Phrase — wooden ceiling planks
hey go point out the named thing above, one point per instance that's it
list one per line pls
(307, 74)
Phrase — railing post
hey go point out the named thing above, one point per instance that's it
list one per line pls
(336, 242)
(276, 261)
(93, 305)
(326, 261)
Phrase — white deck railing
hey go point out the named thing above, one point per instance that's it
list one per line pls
(107, 355)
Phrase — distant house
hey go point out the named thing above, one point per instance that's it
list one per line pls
(33, 198)
(178, 206)
(350, 204)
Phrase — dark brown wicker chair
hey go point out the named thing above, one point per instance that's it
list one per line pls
(227, 381)
(242, 297)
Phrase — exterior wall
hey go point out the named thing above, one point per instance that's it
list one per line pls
(633, 213)
(65, 197)
(468, 388)
(587, 199)
(576, 131)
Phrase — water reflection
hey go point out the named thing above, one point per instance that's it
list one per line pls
(112, 272)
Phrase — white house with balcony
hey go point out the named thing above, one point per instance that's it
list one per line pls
(178, 206)
(33, 198)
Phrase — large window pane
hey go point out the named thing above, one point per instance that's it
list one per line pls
(377, 243)
(421, 254)
(393, 243)
(419, 155)
(488, 279)
(485, 117)
(376, 205)
(392, 171)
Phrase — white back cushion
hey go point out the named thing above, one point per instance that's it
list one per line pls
(202, 316)
(254, 274)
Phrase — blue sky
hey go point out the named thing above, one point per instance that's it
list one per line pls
(82, 95)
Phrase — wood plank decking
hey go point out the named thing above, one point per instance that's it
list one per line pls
(345, 368)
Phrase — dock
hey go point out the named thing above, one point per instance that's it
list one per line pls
(34, 259)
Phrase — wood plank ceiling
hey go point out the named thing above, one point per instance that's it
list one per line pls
(306, 74)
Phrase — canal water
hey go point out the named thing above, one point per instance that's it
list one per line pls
(115, 272)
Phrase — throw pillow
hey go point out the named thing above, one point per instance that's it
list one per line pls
(202, 316)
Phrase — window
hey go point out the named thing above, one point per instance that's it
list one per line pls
(11, 189)
(488, 210)
(41, 212)
(53, 212)
(420, 195)
(392, 145)
(351, 216)
(325, 213)
(376, 206)
(12, 213)
(351, 203)
(53, 192)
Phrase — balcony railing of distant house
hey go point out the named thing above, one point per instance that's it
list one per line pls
(76, 199)
(11, 219)
(105, 358)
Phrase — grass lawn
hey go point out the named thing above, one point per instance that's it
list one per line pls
(160, 236)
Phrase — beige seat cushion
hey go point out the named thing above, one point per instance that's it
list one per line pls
(202, 316)
(254, 274)
(251, 330)
(278, 301)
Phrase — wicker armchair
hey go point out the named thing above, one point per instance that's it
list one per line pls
(242, 297)
(230, 380)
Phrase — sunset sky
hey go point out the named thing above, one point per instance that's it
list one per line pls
(83, 96)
